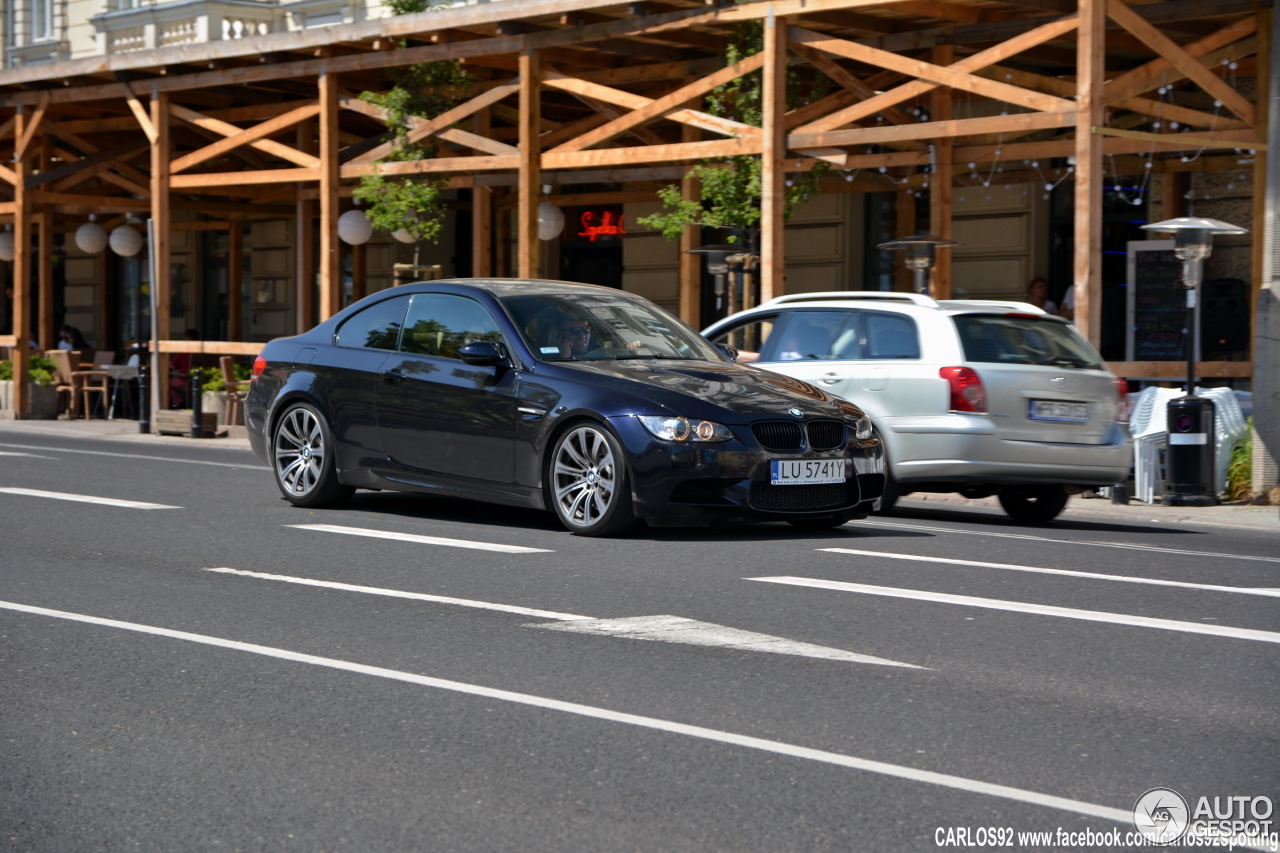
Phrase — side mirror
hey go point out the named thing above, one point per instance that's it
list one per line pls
(482, 353)
(729, 352)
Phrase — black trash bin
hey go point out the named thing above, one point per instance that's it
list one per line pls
(1189, 460)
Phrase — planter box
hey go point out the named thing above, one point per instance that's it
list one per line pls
(42, 400)
(215, 403)
(178, 422)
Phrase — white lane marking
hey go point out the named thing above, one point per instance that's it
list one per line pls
(88, 499)
(395, 593)
(134, 456)
(945, 780)
(423, 540)
(1272, 593)
(1038, 609)
(677, 629)
(670, 629)
(1127, 547)
(30, 455)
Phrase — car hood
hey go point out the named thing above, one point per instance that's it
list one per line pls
(678, 385)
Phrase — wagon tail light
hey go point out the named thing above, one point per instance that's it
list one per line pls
(259, 365)
(1122, 406)
(967, 393)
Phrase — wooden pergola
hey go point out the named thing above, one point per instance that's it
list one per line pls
(579, 93)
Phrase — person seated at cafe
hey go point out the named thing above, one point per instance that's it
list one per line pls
(70, 338)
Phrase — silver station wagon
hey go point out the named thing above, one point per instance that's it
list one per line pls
(977, 397)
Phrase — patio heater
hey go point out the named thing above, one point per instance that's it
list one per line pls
(921, 250)
(1190, 420)
(722, 260)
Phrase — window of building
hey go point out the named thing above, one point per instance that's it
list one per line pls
(41, 20)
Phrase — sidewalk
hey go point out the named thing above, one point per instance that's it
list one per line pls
(1081, 509)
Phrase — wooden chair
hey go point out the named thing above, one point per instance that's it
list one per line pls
(63, 381)
(235, 389)
(80, 385)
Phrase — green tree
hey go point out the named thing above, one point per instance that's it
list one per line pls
(415, 203)
(729, 190)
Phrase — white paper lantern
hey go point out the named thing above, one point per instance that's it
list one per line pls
(6, 246)
(91, 238)
(404, 236)
(550, 221)
(354, 227)
(125, 240)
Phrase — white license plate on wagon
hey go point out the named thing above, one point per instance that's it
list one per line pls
(806, 472)
(1056, 410)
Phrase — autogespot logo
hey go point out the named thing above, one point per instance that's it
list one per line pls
(1161, 815)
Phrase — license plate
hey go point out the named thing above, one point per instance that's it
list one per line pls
(806, 472)
(1056, 410)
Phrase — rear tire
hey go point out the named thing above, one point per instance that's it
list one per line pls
(588, 484)
(1033, 504)
(302, 459)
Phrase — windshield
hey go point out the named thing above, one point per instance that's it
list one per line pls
(603, 327)
(1023, 339)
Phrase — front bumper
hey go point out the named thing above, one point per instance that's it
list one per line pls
(726, 481)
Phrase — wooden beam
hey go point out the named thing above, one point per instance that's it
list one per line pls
(1160, 71)
(238, 179)
(284, 152)
(140, 113)
(1187, 139)
(1090, 76)
(773, 170)
(420, 129)
(1178, 369)
(481, 213)
(529, 183)
(705, 121)
(662, 106)
(940, 180)
(1015, 123)
(161, 266)
(1180, 59)
(245, 137)
(32, 126)
(915, 88)
(330, 246)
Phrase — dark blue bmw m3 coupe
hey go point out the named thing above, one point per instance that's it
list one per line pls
(587, 401)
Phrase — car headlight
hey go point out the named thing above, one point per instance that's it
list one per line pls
(684, 429)
(862, 428)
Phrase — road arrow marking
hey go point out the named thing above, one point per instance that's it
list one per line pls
(89, 499)
(677, 629)
(671, 629)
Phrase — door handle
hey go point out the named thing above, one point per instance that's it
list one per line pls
(391, 377)
(829, 378)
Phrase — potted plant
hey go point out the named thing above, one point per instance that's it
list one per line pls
(42, 396)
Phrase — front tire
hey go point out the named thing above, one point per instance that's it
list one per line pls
(588, 483)
(1033, 504)
(302, 459)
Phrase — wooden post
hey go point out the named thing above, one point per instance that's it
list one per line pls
(529, 180)
(1090, 77)
(1262, 121)
(21, 271)
(482, 212)
(235, 281)
(330, 248)
(48, 335)
(162, 280)
(690, 285)
(773, 167)
(359, 280)
(940, 208)
(304, 241)
(905, 226)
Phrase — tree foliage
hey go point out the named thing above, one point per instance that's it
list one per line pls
(415, 204)
(730, 189)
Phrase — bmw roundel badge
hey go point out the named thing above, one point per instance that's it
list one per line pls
(796, 412)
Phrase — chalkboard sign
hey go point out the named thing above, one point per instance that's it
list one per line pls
(1157, 304)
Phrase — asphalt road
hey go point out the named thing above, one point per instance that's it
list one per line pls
(221, 671)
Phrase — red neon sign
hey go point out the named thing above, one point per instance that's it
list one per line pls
(608, 227)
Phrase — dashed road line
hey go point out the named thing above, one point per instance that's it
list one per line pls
(1204, 587)
(1036, 609)
(88, 499)
(420, 539)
